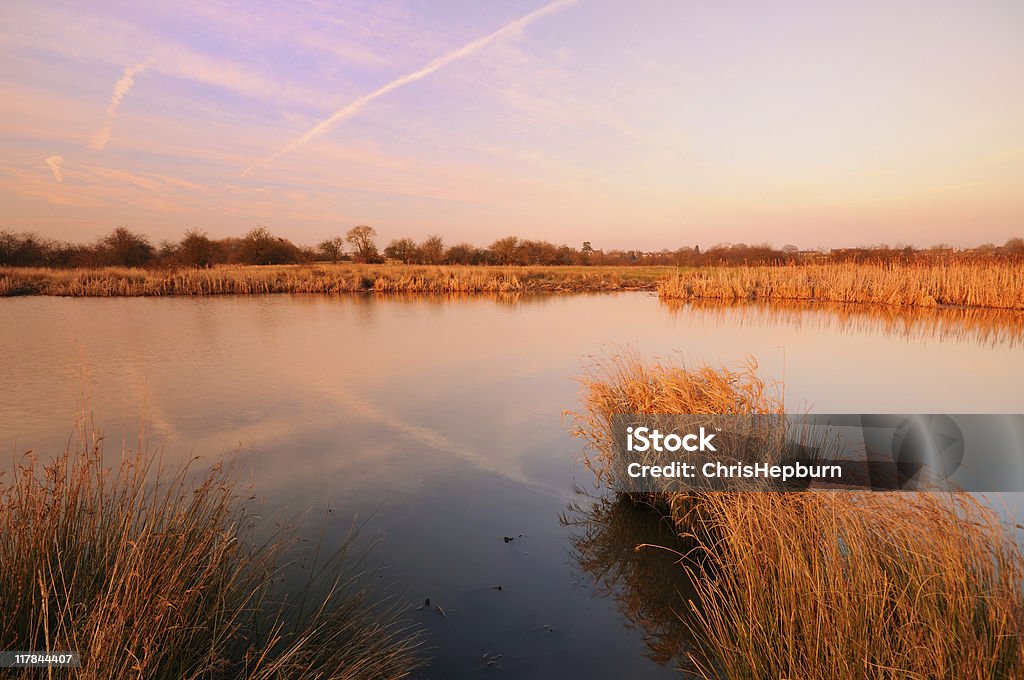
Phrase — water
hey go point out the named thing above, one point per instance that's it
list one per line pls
(439, 422)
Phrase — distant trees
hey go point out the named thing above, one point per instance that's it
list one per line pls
(261, 247)
(505, 250)
(361, 238)
(332, 249)
(432, 250)
(122, 248)
(402, 249)
(466, 253)
(197, 250)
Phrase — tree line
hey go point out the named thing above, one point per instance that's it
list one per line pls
(123, 247)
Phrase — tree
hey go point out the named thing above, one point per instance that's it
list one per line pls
(361, 238)
(196, 249)
(261, 247)
(506, 250)
(464, 253)
(123, 248)
(403, 249)
(332, 248)
(586, 251)
(432, 250)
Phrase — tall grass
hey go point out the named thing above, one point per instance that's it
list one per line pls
(341, 278)
(154, 573)
(822, 584)
(994, 284)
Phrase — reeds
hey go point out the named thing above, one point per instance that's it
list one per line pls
(992, 284)
(152, 573)
(822, 584)
(341, 278)
(860, 585)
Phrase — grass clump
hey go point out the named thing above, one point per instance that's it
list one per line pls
(154, 573)
(992, 284)
(821, 584)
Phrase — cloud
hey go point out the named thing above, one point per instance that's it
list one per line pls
(54, 163)
(466, 50)
(124, 84)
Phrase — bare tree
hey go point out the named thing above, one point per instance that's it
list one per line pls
(432, 249)
(403, 249)
(361, 238)
(506, 250)
(332, 248)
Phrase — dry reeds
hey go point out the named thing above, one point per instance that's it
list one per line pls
(156, 574)
(823, 584)
(995, 284)
(860, 585)
(340, 278)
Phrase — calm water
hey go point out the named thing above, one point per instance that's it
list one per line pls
(441, 422)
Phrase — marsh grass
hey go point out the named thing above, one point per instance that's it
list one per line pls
(156, 573)
(821, 584)
(991, 284)
(326, 278)
(860, 585)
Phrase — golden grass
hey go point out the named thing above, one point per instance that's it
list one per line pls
(860, 585)
(994, 284)
(152, 573)
(327, 278)
(822, 584)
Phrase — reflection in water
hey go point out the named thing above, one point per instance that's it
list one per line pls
(991, 327)
(632, 553)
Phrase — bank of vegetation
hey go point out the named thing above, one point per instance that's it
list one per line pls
(820, 584)
(323, 278)
(154, 573)
(988, 284)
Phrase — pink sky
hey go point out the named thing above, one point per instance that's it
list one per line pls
(650, 124)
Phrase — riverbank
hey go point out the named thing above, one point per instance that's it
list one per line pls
(325, 278)
(995, 284)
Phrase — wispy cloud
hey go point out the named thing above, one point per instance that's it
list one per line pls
(466, 50)
(121, 88)
(54, 163)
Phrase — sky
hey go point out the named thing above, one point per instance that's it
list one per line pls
(649, 124)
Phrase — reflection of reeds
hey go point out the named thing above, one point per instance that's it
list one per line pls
(614, 543)
(991, 327)
(997, 285)
(149, 575)
(825, 584)
(340, 278)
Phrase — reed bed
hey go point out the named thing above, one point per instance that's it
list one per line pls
(153, 573)
(821, 584)
(994, 284)
(323, 279)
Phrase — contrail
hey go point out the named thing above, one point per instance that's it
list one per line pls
(124, 83)
(442, 61)
(54, 163)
